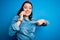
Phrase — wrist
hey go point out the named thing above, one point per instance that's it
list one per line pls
(19, 20)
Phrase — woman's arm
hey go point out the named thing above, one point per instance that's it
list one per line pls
(16, 23)
(41, 22)
(14, 27)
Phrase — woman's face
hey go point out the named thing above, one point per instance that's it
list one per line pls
(27, 8)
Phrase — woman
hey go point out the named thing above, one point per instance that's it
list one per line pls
(23, 25)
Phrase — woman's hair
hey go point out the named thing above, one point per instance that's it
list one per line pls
(30, 16)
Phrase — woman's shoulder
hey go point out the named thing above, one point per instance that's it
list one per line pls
(33, 19)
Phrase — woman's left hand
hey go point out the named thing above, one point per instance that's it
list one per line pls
(41, 21)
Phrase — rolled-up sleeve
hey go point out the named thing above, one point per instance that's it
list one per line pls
(35, 22)
(14, 27)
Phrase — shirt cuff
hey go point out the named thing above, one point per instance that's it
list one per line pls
(15, 27)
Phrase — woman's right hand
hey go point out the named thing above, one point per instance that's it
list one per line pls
(21, 18)
(21, 15)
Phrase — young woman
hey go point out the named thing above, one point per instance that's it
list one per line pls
(23, 25)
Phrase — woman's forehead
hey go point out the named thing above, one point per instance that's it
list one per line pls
(28, 4)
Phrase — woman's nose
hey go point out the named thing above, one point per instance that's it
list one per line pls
(28, 9)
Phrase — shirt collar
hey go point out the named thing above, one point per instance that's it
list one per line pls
(25, 19)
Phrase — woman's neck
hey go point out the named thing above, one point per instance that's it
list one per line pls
(26, 17)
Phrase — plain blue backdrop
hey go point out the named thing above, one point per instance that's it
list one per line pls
(42, 9)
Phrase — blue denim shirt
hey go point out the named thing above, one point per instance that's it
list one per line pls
(25, 31)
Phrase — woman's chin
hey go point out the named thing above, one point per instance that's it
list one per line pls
(27, 15)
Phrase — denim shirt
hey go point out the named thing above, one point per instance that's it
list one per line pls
(25, 31)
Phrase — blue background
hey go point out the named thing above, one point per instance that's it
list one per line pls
(42, 9)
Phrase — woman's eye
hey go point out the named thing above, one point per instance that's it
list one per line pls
(30, 8)
(25, 7)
